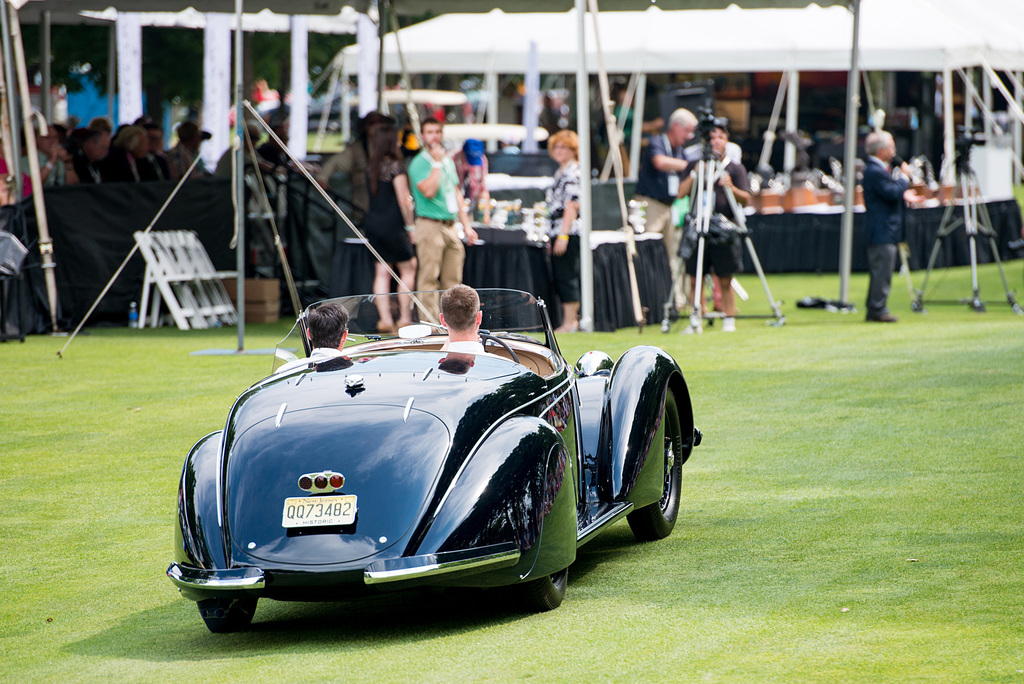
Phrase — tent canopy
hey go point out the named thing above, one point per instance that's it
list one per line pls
(31, 10)
(913, 35)
(263, 21)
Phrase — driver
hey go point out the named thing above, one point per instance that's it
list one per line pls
(461, 314)
(327, 330)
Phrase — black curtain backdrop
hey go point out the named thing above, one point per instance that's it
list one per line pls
(92, 229)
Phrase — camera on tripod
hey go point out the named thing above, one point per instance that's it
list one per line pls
(706, 123)
(966, 139)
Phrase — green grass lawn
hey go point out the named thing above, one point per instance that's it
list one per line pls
(853, 515)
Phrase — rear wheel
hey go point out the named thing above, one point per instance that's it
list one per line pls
(546, 593)
(656, 520)
(227, 615)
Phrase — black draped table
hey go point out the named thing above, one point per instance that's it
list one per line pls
(809, 242)
(517, 264)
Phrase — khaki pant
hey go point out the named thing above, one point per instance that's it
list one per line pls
(659, 220)
(440, 256)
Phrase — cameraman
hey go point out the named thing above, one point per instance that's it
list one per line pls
(721, 259)
(661, 171)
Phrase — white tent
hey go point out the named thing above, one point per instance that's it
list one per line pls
(263, 21)
(911, 35)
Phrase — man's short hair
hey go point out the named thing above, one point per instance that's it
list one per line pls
(683, 117)
(875, 141)
(327, 324)
(430, 122)
(459, 304)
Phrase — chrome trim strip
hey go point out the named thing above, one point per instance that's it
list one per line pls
(591, 530)
(408, 409)
(429, 566)
(280, 414)
(185, 577)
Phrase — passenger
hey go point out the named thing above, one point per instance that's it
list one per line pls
(461, 314)
(327, 330)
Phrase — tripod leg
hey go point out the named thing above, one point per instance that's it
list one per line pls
(669, 304)
(696, 315)
(779, 318)
(984, 226)
(971, 225)
(1011, 300)
(919, 303)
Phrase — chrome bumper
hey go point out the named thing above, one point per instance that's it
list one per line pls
(434, 564)
(189, 579)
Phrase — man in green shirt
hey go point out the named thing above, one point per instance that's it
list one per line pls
(439, 212)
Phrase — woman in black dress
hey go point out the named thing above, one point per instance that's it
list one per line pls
(388, 225)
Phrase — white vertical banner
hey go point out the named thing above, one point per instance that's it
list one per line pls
(531, 100)
(366, 38)
(298, 126)
(129, 67)
(216, 87)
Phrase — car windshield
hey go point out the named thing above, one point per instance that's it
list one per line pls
(511, 314)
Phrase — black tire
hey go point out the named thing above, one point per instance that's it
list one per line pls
(544, 594)
(227, 615)
(656, 520)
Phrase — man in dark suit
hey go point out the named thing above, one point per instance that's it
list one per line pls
(883, 220)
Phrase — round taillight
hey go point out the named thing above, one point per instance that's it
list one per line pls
(337, 480)
(305, 483)
(320, 481)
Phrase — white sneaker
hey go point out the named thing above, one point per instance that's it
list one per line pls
(728, 325)
(692, 329)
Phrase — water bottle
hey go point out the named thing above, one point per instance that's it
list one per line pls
(133, 316)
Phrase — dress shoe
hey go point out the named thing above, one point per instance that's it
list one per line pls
(883, 318)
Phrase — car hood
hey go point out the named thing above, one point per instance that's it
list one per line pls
(396, 428)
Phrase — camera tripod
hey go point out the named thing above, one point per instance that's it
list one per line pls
(702, 198)
(976, 221)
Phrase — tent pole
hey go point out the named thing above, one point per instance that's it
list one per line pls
(1018, 98)
(773, 123)
(346, 104)
(45, 243)
(491, 111)
(14, 160)
(637, 137)
(239, 179)
(45, 99)
(850, 155)
(616, 152)
(792, 118)
(586, 202)
(383, 9)
(111, 70)
(947, 124)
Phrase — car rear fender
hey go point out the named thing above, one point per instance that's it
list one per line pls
(636, 399)
(517, 486)
(199, 538)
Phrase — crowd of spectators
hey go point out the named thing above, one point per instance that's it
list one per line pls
(98, 153)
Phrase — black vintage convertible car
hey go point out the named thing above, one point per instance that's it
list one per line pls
(401, 465)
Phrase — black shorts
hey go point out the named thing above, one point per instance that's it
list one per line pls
(721, 259)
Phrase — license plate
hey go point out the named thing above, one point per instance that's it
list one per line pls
(317, 511)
